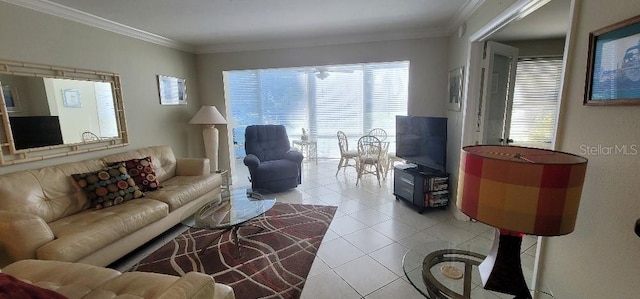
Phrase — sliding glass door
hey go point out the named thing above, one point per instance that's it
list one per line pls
(323, 99)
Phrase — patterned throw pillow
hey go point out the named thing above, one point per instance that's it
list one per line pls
(143, 173)
(109, 186)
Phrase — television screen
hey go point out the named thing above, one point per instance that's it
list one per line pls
(422, 140)
(35, 131)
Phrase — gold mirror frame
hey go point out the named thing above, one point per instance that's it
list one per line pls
(9, 155)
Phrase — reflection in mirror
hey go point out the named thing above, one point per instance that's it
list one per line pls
(51, 111)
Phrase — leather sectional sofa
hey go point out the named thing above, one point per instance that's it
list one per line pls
(46, 215)
(53, 279)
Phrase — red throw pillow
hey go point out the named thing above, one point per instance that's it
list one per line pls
(11, 287)
(143, 173)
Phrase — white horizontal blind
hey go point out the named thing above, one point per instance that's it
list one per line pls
(389, 92)
(339, 101)
(350, 98)
(535, 102)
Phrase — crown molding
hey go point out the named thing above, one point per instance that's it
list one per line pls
(463, 14)
(75, 15)
(55, 9)
(320, 41)
(516, 11)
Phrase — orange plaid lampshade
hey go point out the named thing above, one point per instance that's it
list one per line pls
(520, 189)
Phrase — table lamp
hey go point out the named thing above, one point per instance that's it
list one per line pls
(209, 116)
(518, 190)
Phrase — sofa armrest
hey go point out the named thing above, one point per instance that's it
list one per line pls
(294, 156)
(251, 161)
(192, 166)
(197, 285)
(21, 235)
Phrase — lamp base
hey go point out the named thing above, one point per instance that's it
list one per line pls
(210, 137)
(501, 271)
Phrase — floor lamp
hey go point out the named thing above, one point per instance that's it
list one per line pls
(209, 116)
(518, 190)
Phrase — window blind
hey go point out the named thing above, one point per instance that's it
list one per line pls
(535, 102)
(324, 99)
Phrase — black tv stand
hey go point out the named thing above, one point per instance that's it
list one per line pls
(421, 186)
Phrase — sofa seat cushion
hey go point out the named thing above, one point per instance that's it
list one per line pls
(76, 280)
(136, 285)
(72, 281)
(81, 234)
(11, 287)
(180, 190)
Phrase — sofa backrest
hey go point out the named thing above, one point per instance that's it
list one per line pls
(162, 157)
(52, 194)
(49, 192)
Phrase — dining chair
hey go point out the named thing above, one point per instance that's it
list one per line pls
(379, 133)
(88, 136)
(345, 154)
(370, 157)
(391, 157)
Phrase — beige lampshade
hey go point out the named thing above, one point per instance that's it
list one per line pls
(208, 115)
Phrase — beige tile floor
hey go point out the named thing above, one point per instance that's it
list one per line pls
(361, 254)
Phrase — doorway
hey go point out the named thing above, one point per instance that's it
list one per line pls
(499, 72)
(488, 109)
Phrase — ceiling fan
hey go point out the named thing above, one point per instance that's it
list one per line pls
(322, 72)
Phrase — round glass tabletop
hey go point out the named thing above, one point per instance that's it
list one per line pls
(216, 214)
(428, 265)
(439, 269)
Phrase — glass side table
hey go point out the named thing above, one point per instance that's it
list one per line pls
(422, 266)
(308, 148)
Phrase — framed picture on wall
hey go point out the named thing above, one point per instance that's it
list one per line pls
(613, 67)
(71, 98)
(172, 90)
(456, 77)
(11, 98)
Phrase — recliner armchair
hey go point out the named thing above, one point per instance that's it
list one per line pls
(273, 166)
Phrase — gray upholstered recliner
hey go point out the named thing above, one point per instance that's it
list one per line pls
(272, 164)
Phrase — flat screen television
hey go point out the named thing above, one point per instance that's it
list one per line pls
(35, 131)
(422, 140)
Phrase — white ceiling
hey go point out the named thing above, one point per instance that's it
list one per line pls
(230, 25)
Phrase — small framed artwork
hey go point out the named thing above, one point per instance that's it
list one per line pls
(613, 67)
(172, 90)
(11, 98)
(456, 77)
(71, 98)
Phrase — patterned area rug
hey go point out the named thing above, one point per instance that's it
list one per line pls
(277, 251)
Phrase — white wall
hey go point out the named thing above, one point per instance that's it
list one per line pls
(31, 97)
(427, 75)
(537, 48)
(75, 120)
(459, 51)
(40, 38)
(600, 258)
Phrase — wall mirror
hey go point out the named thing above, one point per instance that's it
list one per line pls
(49, 111)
